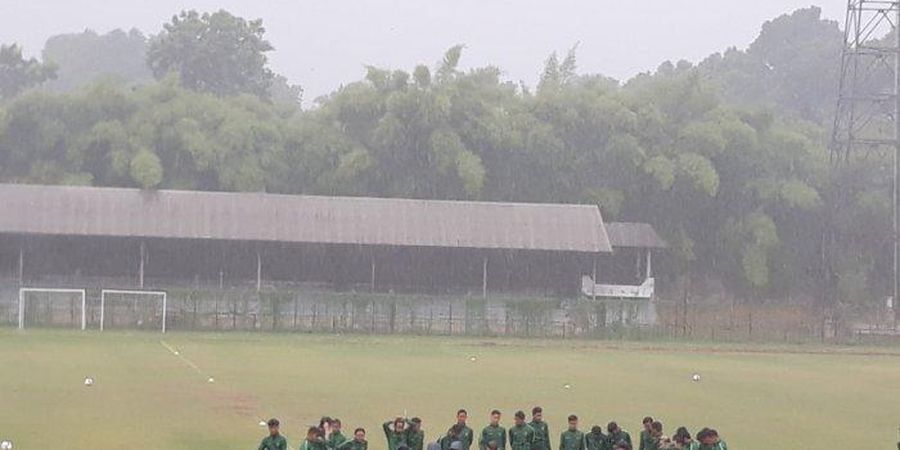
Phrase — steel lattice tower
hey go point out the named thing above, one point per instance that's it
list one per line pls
(867, 120)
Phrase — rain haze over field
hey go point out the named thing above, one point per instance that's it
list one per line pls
(217, 212)
(322, 44)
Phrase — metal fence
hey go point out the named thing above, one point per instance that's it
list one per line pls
(322, 311)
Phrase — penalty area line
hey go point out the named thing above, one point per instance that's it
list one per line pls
(197, 369)
(181, 357)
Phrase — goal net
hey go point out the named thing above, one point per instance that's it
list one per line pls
(123, 309)
(45, 307)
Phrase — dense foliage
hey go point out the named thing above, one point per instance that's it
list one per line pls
(728, 159)
(216, 52)
(85, 58)
(18, 73)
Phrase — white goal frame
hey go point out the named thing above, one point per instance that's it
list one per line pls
(23, 291)
(103, 293)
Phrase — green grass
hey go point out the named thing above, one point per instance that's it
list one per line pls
(146, 397)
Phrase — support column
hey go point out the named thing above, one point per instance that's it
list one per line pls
(649, 265)
(594, 282)
(141, 265)
(639, 259)
(21, 265)
(258, 271)
(484, 276)
(222, 259)
(372, 280)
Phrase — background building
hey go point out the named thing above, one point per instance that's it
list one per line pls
(212, 247)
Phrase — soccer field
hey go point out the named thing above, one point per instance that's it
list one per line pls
(145, 396)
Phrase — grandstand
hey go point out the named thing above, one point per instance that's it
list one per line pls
(117, 238)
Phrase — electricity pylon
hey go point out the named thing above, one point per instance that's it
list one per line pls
(867, 120)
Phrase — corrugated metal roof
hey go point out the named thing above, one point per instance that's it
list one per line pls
(629, 234)
(91, 211)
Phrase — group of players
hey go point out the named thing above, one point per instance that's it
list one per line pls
(408, 434)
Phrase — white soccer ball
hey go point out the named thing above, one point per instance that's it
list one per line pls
(695, 377)
(211, 380)
(87, 382)
(567, 386)
(473, 359)
(177, 353)
(6, 445)
(262, 423)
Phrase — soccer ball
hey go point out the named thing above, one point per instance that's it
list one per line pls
(473, 359)
(211, 380)
(87, 382)
(6, 445)
(567, 386)
(262, 423)
(695, 377)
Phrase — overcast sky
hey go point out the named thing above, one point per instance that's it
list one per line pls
(324, 43)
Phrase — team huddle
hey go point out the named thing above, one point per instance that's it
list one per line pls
(408, 434)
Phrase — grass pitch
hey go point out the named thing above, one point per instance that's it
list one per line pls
(145, 396)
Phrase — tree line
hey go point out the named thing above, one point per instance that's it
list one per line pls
(728, 158)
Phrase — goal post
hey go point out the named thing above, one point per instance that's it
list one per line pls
(134, 294)
(50, 292)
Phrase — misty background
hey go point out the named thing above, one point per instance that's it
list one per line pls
(321, 45)
(714, 128)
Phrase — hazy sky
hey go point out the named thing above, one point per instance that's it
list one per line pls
(321, 44)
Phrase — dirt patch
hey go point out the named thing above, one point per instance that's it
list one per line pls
(219, 400)
(240, 404)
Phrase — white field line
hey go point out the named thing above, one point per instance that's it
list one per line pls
(192, 366)
(181, 357)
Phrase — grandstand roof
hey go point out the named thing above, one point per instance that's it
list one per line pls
(635, 235)
(121, 212)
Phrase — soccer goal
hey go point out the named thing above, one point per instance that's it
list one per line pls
(133, 309)
(52, 307)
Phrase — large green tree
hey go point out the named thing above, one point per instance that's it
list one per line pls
(218, 53)
(18, 73)
(793, 66)
(83, 58)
